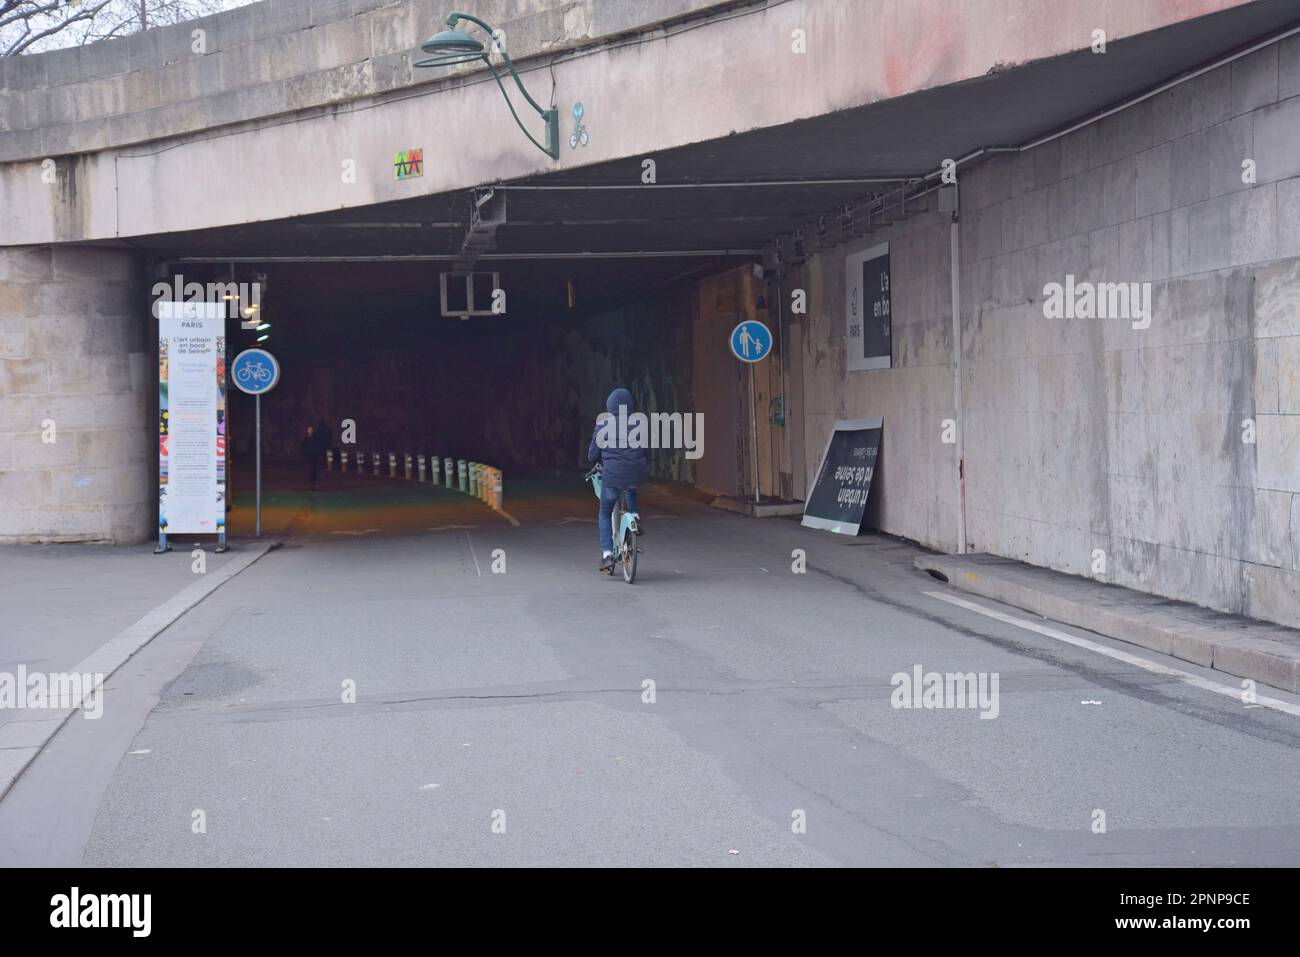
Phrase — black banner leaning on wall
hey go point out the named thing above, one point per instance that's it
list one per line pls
(839, 495)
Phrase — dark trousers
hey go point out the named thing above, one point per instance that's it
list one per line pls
(608, 496)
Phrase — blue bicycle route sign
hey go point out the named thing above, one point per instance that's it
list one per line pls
(751, 341)
(255, 371)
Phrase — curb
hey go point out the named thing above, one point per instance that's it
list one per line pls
(506, 515)
(770, 510)
(687, 495)
(27, 732)
(1231, 644)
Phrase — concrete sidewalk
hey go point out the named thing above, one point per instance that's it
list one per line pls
(71, 616)
(61, 602)
(1230, 643)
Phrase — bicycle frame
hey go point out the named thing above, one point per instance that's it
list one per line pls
(625, 546)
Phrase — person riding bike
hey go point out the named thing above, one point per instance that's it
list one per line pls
(624, 467)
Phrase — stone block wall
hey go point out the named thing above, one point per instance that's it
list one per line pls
(74, 397)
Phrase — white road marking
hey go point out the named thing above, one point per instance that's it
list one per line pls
(364, 531)
(473, 556)
(448, 528)
(1130, 659)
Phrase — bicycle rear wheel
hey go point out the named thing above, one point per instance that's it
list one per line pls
(629, 557)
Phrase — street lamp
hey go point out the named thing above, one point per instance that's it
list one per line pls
(453, 46)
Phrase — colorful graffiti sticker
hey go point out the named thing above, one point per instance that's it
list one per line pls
(408, 164)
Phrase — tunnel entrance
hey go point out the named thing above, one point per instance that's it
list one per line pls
(387, 382)
(445, 326)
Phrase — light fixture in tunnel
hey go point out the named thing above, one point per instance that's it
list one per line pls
(264, 338)
(452, 47)
(263, 327)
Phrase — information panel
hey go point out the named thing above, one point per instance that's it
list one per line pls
(191, 417)
(869, 309)
(839, 495)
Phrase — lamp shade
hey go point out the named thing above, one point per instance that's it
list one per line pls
(452, 42)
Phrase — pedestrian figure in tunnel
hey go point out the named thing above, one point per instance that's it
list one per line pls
(325, 438)
(625, 467)
(310, 449)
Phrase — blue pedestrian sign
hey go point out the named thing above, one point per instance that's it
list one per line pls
(255, 371)
(751, 341)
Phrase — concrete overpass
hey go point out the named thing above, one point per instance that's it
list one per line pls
(149, 137)
(817, 124)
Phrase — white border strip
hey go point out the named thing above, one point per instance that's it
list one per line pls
(1130, 659)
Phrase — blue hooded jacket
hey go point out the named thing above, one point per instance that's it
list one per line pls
(623, 467)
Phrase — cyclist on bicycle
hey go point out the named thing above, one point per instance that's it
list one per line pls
(624, 467)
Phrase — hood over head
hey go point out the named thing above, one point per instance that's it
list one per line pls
(619, 397)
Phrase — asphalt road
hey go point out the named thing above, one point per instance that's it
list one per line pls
(504, 718)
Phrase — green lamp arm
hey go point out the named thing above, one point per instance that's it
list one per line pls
(551, 116)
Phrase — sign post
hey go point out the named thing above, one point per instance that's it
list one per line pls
(256, 371)
(751, 341)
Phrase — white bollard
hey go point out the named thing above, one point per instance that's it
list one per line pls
(435, 467)
(498, 482)
(374, 462)
(420, 467)
(449, 472)
(406, 470)
(343, 461)
(329, 460)
(392, 465)
(462, 479)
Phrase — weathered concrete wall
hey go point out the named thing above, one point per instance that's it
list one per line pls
(265, 59)
(74, 397)
(915, 490)
(313, 110)
(1088, 434)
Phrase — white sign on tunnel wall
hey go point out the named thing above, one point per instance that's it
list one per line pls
(868, 309)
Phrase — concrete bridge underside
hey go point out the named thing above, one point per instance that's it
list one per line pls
(278, 144)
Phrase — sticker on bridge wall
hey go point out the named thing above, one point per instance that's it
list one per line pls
(408, 164)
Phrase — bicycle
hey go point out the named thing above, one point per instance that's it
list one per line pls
(253, 372)
(625, 531)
